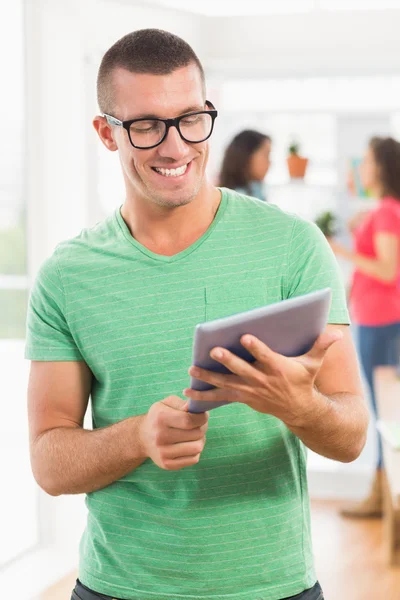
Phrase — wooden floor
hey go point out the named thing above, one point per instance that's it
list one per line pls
(349, 559)
(61, 591)
(349, 556)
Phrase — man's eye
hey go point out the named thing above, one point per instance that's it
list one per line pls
(145, 126)
(191, 120)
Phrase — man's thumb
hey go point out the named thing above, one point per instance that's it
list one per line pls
(176, 402)
(324, 342)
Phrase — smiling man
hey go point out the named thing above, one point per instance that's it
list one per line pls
(111, 317)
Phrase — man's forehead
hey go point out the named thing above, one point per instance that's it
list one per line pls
(146, 93)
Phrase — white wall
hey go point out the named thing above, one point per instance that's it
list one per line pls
(105, 21)
(318, 43)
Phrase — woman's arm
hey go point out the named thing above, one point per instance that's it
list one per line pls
(357, 219)
(384, 266)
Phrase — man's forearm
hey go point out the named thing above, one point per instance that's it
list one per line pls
(72, 460)
(337, 429)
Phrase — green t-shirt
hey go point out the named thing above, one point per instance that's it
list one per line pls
(236, 525)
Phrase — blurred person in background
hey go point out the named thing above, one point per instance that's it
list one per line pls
(246, 162)
(375, 290)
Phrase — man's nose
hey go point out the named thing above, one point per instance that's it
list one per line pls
(173, 146)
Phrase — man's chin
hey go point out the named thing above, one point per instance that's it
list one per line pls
(175, 199)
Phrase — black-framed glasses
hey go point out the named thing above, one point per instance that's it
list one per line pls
(144, 133)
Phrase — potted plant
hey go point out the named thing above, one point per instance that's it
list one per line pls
(297, 164)
(326, 221)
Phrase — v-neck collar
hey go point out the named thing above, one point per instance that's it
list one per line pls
(180, 255)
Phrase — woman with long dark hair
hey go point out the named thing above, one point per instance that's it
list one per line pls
(246, 162)
(375, 292)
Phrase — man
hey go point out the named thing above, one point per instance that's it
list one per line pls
(112, 315)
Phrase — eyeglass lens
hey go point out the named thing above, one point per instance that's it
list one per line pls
(194, 128)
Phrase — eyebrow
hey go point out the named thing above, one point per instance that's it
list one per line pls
(187, 110)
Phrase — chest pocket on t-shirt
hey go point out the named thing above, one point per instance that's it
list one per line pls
(228, 299)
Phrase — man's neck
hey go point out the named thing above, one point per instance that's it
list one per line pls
(170, 231)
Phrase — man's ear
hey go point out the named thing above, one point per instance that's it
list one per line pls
(105, 133)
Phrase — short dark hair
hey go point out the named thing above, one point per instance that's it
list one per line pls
(386, 151)
(235, 165)
(143, 51)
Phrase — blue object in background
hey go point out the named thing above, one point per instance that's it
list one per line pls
(254, 188)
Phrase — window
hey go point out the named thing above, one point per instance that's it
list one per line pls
(18, 523)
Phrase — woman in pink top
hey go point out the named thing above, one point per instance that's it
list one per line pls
(375, 291)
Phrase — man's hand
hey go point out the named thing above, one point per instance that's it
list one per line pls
(171, 436)
(274, 384)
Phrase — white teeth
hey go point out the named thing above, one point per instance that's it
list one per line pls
(171, 172)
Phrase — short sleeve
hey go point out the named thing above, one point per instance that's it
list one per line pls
(48, 337)
(313, 266)
(386, 220)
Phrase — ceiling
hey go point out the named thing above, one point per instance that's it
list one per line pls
(221, 8)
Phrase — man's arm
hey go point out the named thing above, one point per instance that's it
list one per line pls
(67, 459)
(338, 429)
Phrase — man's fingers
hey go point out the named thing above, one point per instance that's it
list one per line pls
(183, 449)
(214, 395)
(178, 436)
(261, 352)
(180, 463)
(219, 380)
(323, 343)
(237, 366)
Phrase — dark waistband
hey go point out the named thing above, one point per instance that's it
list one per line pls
(81, 592)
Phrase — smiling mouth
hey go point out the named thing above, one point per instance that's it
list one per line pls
(171, 172)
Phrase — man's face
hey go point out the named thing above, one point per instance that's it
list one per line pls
(164, 96)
